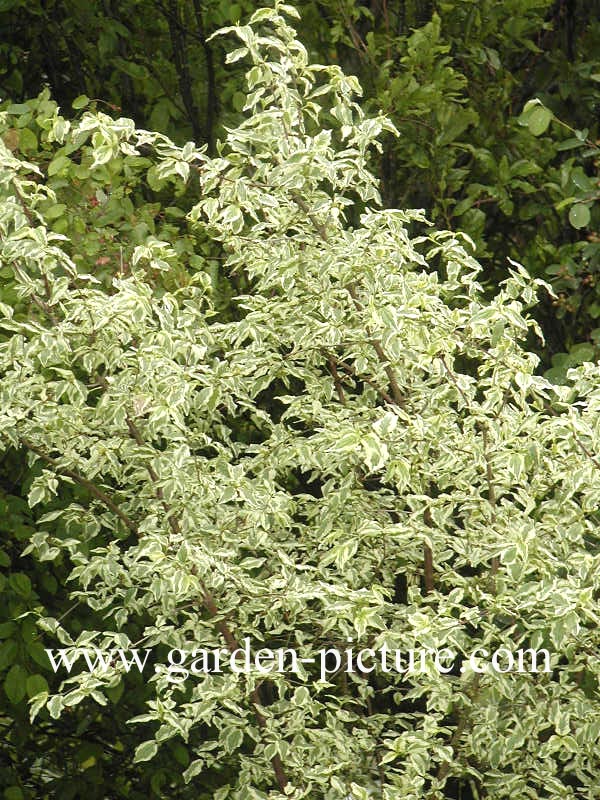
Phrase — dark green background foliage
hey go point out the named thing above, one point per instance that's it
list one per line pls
(454, 76)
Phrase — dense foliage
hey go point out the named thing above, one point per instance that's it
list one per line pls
(454, 77)
(254, 403)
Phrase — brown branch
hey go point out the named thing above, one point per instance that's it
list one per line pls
(375, 343)
(452, 377)
(45, 308)
(389, 371)
(428, 571)
(351, 371)
(357, 40)
(383, 359)
(136, 435)
(303, 205)
(336, 379)
(147, 62)
(491, 491)
(91, 487)
(585, 451)
(41, 304)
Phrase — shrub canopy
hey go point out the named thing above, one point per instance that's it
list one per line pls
(355, 448)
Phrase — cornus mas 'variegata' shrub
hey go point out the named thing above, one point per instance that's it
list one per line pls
(360, 452)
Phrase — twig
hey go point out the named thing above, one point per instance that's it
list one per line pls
(136, 435)
(336, 379)
(491, 491)
(352, 371)
(91, 487)
(383, 359)
(428, 571)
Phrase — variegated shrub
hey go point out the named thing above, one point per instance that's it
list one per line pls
(356, 450)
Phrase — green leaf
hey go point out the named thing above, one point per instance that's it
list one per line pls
(27, 140)
(13, 793)
(8, 653)
(137, 71)
(55, 211)
(36, 651)
(579, 215)
(35, 685)
(539, 119)
(80, 102)
(114, 693)
(145, 751)
(181, 754)
(238, 100)
(569, 144)
(581, 353)
(21, 583)
(301, 696)
(55, 706)
(15, 683)
(18, 108)
(37, 703)
(194, 769)
(7, 629)
(58, 164)
(232, 739)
